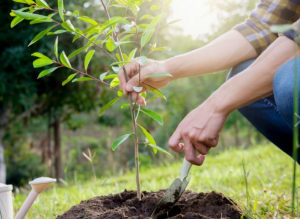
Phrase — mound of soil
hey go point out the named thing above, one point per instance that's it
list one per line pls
(191, 205)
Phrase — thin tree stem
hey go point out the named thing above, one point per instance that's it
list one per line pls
(136, 145)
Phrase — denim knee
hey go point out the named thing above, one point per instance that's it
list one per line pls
(239, 68)
(283, 88)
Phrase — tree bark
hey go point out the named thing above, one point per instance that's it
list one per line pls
(57, 150)
(4, 112)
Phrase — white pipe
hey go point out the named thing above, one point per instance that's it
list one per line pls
(6, 203)
(27, 204)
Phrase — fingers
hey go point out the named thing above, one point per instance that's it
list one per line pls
(174, 141)
(190, 154)
(201, 148)
(201, 140)
(131, 70)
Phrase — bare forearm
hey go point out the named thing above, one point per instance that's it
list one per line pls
(256, 81)
(226, 51)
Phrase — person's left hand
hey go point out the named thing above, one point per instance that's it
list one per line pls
(199, 131)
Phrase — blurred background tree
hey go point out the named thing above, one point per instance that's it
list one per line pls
(45, 127)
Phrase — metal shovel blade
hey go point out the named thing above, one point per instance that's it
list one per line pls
(171, 196)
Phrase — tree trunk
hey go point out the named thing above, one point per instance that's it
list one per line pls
(3, 123)
(57, 150)
(236, 134)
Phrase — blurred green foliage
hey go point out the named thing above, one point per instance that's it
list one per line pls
(76, 104)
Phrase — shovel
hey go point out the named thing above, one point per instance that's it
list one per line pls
(174, 192)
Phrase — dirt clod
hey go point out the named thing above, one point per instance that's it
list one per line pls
(191, 205)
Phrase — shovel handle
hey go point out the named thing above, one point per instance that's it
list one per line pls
(185, 169)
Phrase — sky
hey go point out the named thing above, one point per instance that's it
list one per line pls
(196, 16)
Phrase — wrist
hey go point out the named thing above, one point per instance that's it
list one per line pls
(171, 66)
(219, 104)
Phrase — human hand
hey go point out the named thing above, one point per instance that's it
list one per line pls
(132, 69)
(199, 131)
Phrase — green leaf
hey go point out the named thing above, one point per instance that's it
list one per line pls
(102, 76)
(155, 21)
(110, 44)
(27, 15)
(142, 60)
(60, 4)
(126, 37)
(155, 7)
(46, 72)
(109, 104)
(153, 115)
(77, 51)
(146, 16)
(160, 149)
(152, 99)
(30, 2)
(20, 1)
(40, 55)
(153, 48)
(16, 21)
(93, 39)
(57, 32)
(89, 20)
(68, 79)
(119, 141)
(64, 60)
(113, 21)
(148, 136)
(132, 54)
(42, 62)
(120, 93)
(40, 35)
(115, 82)
(120, 63)
(112, 76)
(68, 26)
(144, 94)
(154, 90)
(42, 3)
(88, 58)
(12, 14)
(281, 28)
(56, 48)
(161, 74)
(125, 105)
(41, 20)
(82, 79)
(146, 37)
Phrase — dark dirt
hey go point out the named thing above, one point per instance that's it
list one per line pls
(191, 205)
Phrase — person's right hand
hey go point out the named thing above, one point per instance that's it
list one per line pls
(151, 67)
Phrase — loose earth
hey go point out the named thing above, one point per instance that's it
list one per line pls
(191, 205)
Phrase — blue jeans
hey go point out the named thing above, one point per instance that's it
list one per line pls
(273, 115)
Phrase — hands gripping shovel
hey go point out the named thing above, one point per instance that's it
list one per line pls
(174, 192)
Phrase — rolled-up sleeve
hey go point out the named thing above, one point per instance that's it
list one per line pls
(257, 34)
(294, 33)
(256, 29)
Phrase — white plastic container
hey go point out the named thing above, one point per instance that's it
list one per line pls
(6, 203)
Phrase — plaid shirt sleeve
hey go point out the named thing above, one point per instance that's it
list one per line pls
(256, 28)
(295, 32)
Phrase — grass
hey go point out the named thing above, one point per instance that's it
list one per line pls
(264, 168)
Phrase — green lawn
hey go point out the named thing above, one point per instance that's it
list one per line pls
(269, 179)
